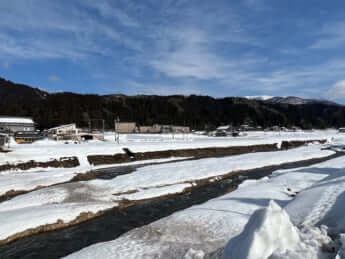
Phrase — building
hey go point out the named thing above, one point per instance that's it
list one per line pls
(22, 137)
(150, 129)
(11, 125)
(157, 128)
(125, 127)
(181, 129)
(223, 131)
(63, 132)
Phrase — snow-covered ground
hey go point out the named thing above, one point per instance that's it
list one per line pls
(196, 231)
(46, 150)
(66, 201)
(291, 214)
(39, 177)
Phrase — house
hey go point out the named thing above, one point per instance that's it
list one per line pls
(11, 125)
(223, 131)
(63, 132)
(341, 130)
(226, 128)
(157, 128)
(125, 127)
(23, 137)
(180, 129)
(246, 127)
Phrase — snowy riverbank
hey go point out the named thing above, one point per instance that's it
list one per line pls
(307, 211)
(65, 202)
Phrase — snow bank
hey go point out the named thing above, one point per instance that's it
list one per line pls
(341, 251)
(268, 229)
(269, 233)
(39, 177)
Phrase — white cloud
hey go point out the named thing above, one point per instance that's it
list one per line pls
(54, 30)
(337, 91)
(107, 10)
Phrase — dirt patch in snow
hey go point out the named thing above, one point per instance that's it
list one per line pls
(64, 162)
(298, 143)
(196, 153)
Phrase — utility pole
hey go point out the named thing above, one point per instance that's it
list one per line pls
(117, 134)
(8, 138)
(103, 129)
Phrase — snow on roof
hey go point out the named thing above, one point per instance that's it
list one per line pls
(223, 127)
(16, 120)
(62, 126)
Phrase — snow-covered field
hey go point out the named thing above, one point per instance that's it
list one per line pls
(46, 150)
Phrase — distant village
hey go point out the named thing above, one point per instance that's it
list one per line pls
(24, 130)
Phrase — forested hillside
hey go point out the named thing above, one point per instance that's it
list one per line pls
(49, 109)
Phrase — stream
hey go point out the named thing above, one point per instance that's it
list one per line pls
(117, 222)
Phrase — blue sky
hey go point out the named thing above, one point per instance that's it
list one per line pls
(217, 48)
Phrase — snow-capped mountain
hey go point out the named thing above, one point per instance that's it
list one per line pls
(260, 97)
(297, 101)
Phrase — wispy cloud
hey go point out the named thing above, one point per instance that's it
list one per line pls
(337, 91)
(54, 78)
(107, 10)
(332, 35)
(185, 46)
(52, 30)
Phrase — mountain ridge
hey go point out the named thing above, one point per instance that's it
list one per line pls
(198, 112)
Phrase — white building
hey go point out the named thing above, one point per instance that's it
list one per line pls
(14, 124)
(63, 132)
